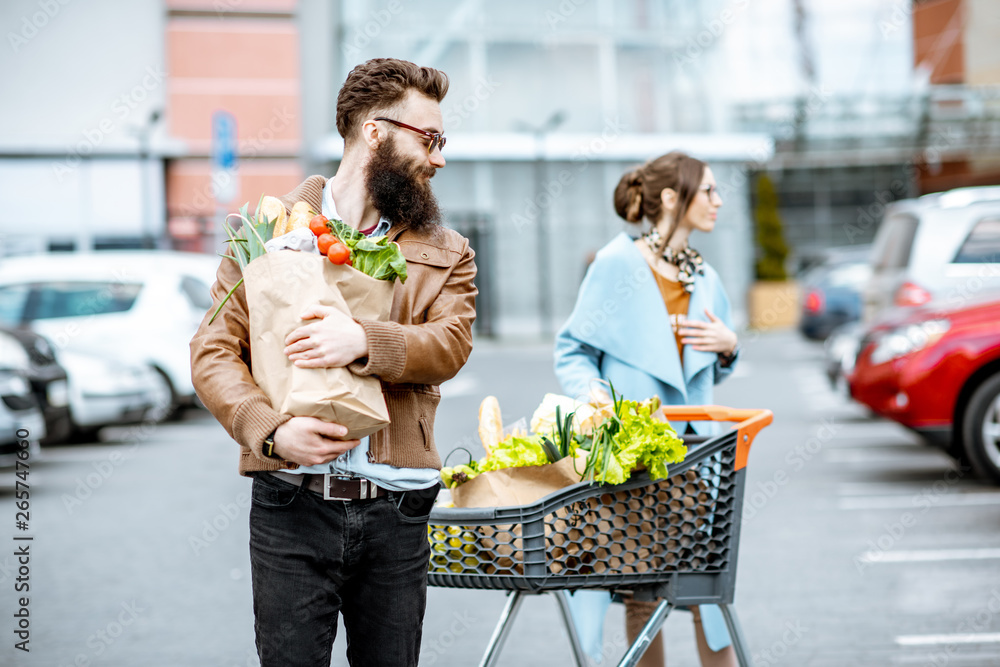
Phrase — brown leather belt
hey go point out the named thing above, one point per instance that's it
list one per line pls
(334, 487)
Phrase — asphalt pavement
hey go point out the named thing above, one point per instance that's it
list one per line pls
(860, 546)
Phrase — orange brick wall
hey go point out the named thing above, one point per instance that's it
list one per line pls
(938, 41)
(242, 57)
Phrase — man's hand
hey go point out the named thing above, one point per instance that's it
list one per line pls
(309, 441)
(711, 336)
(332, 341)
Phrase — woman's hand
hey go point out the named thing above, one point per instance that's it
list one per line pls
(711, 336)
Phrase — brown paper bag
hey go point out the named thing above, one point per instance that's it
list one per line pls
(279, 286)
(511, 487)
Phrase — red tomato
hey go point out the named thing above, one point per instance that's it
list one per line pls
(318, 225)
(338, 253)
(325, 241)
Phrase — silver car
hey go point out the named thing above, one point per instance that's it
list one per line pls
(939, 247)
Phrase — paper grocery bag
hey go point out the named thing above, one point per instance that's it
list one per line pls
(510, 487)
(279, 286)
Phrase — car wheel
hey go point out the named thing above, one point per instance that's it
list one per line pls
(981, 429)
(164, 401)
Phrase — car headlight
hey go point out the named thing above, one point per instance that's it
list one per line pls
(13, 385)
(12, 354)
(906, 340)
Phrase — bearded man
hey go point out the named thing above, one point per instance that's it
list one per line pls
(340, 526)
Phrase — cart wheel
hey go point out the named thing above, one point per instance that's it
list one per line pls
(981, 430)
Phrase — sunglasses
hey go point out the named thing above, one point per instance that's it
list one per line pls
(437, 138)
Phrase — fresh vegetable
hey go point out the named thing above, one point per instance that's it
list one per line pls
(630, 437)
(460, 474)
(338, 253)
(318, 225)
(324, 242)
(247, 243)
(375, 256)
(617, 439)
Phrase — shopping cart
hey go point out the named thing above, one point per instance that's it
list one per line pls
(675, 539)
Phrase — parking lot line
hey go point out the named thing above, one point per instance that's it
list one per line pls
(928, 555)
(909, 501)
(866, 456)
(962, 638)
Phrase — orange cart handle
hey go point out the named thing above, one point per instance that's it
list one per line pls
(750, 422)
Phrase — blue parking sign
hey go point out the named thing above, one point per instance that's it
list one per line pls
(223, 140)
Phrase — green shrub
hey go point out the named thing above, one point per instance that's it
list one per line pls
(770, 233)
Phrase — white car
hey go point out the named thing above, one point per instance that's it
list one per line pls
(943, 247)
(103, 391)
(137, 308)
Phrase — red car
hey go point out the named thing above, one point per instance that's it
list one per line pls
(936, 370)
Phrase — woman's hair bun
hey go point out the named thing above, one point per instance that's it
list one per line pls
(628, 196)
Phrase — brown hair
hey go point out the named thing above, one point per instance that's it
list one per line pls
(638, 193)
(373, 87)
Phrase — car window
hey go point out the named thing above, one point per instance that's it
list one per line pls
(12, 301)
(894, 251)
(71, 299)
(198, 294)
(982, 246)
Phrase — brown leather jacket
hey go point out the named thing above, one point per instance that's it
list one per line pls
(427, 340)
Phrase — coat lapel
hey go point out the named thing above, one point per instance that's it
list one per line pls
(695, 361)
(626, 316)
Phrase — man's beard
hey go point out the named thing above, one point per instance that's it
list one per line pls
(397, 190)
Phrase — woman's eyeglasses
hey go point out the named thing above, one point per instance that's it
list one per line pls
(437, 138)
(709, 190)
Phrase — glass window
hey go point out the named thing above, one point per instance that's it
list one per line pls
(82, 299)
(982, 246)
(12, 301)
(198, 293)
(894, 251)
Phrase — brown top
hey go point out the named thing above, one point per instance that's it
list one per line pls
(426, 341)
(676, 299)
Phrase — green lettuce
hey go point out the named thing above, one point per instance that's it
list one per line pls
(631, 438)
(375, 256)
(516, 452)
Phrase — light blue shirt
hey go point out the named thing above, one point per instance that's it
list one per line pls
(355, 462)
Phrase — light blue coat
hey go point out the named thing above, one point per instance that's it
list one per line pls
(620, 331)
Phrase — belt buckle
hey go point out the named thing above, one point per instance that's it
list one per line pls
(326, 486)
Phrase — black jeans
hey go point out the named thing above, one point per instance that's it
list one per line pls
(312, 559)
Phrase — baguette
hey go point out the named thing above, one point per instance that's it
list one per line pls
(490, 423)
(300, 217)
(272, 209)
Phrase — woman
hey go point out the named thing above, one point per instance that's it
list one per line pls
(635, 294)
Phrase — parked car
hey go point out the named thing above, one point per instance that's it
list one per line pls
(832, 290)
(138, 308)
(105, 392)
(939, 246)
(32, 354)
(936, 369)
(840, 349)
(21, 417)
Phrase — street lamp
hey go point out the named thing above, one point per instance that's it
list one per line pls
(542, 228)
(143, 132)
